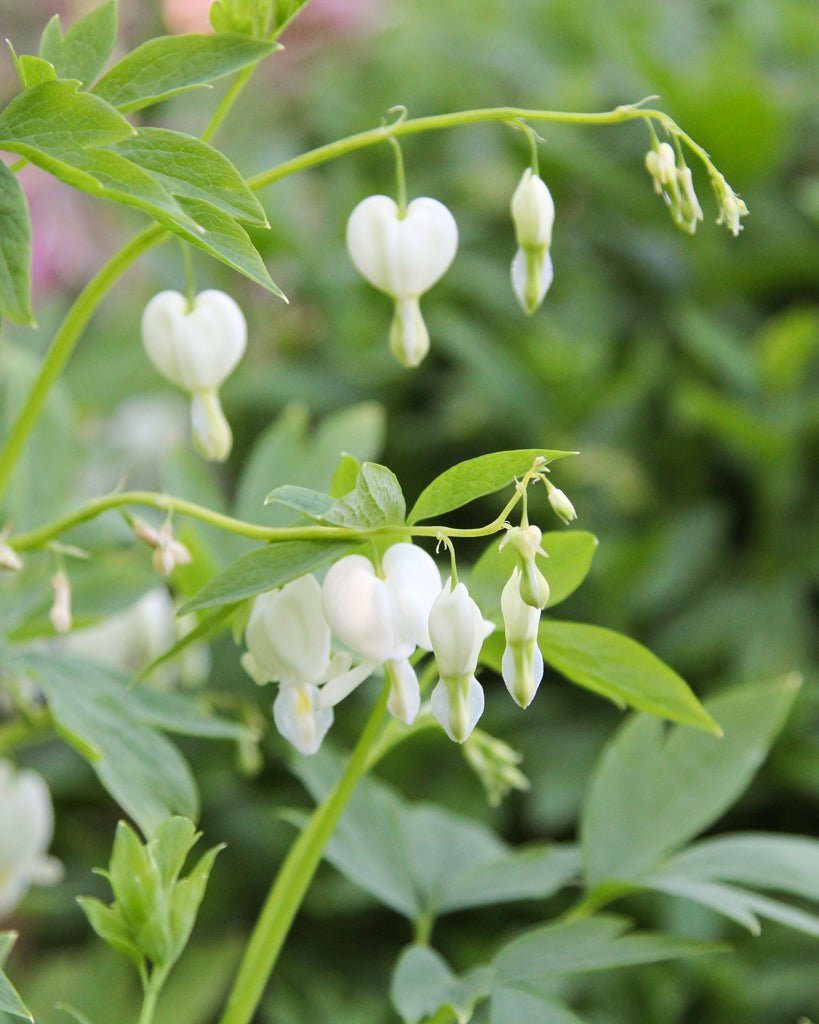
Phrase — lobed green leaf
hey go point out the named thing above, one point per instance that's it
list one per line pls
(301, 499)
(97, 714)
(57, 116)
(15, 250)
(376, 500)
(187, 166)
(654, 789)
(423, 983)
(266, 568)
(475, 478)
(84, 50)
(168, 65)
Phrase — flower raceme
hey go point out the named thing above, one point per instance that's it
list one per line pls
(196, 348)
(403, 254)
(26, 827)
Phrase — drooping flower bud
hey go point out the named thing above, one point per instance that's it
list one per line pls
(534, 588)
(26, 827)
(60, 613)
(403, 256)
(9, 559)
(168, 552)
(522, 665)
(197, 349)
(673, 180)
(457, 630)
(731, 207)
(560, 503)
(533, 214)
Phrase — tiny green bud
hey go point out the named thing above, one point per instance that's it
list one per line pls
(561, 504)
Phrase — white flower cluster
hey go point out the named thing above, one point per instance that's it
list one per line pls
(26, 826)
(381, 617)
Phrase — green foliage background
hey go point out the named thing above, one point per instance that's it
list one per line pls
(684, 370)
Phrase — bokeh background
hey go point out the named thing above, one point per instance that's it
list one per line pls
(684, 370)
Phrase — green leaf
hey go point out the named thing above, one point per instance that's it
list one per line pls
(301, 499)
(223, 238)
(83, 51)
(177, 713)
(594, 944)
(251, 17)
(15, 250)
(619, 668)
(291, 451)
(475, 478)
(423, 983)
(99, 716)
(169, 847)
(56, 116)
(187, 166)
(345, 476)
(570, 556)
(376, 500)
(654, 789)
(33, 70)
(513, 1005)
(209, 627)
(134, 878)
(266, 568)
(428, 860)
(186, 898)
(10, 1002)
(168, 65)
(107, 922)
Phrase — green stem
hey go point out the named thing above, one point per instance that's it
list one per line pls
(228, 100)
(294, 878)
(152, 990)
(437, 122)
(64, 343)
(40, 536)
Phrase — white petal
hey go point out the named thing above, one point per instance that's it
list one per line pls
(458, 717)
(297, 718)
(413, 582)
(544, 275)
(357, 606)
(195, 350)
(533, 211)
(457, 631)
(405, 694)
(288, 635)
(402, 257)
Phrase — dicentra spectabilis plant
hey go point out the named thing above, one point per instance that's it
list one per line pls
(349, 597)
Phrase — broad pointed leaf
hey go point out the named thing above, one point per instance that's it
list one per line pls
(83, 51)
(15, 250)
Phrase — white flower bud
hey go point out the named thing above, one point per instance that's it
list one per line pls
(197, 349)
(60, 613)
(522, 664)
(731, 207)
(404, 257)
(457, 630)
(525, 540)
(561, 504)
(26, 827)
(533, 214)
(168, 553)
(405, 694)
(9, 559)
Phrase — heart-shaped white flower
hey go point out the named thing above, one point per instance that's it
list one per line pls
(402, 256)
(195, 349)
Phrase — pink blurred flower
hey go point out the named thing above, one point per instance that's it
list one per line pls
(187, 15)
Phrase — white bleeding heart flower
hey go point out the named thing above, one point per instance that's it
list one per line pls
(197, 349)
(533, 214)
(298, 718)
(403, 256)
(457, 630)
(382, 618)
(26, 827)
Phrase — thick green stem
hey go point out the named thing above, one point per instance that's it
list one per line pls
(63, 345)
(294, 878)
